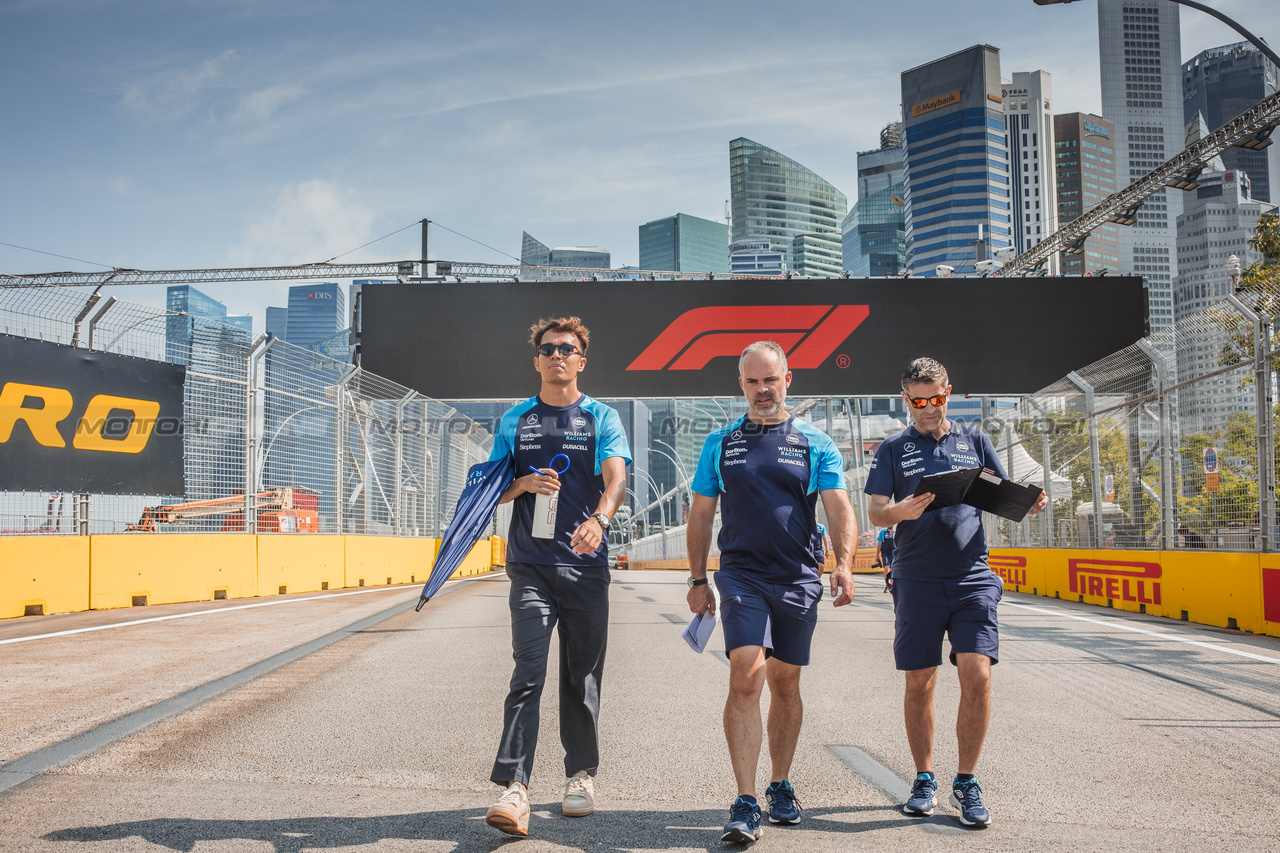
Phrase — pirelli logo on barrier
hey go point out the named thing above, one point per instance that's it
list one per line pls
(1117, 579)
(1012, 569)
(79, 420)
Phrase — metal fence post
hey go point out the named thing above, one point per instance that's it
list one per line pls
(1047, 470)
(1262, 412)
(256, 352)
(1095, 462)
(1168, 506)
(397, 525)
(340, 414)
(97, 318)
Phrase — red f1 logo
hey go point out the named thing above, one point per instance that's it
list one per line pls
(809, 334)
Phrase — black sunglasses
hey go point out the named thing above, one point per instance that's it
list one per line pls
(565, 350)
(920, 402)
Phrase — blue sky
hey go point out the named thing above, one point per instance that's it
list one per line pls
(161, 134)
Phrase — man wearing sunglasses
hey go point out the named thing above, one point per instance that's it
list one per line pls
(573, 449)
(941, 582)
(767, 470)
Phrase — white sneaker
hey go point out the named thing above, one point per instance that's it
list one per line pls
(579, 795)
(511, 812)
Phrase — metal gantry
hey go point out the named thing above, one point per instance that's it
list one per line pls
(1250, 129)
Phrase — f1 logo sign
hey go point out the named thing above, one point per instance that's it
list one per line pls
(809, 334)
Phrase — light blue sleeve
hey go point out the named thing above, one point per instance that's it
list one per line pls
(706, 478)
(826, 467)
(504, 437)
(611, 438)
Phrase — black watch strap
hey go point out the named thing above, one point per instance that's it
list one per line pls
(696, 582)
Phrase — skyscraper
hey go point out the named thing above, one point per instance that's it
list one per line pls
(774, 198)
(1029, 136)
(873, 234)
(1223, 82)
(199, 334)
(956, 160)
(536, 253)
(684, 243)
(315, 311)
(1085, 167)
(277, 322)
(1140, 50)
(755, 257)
(1218, 219)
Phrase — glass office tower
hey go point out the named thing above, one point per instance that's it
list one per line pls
(315, 311)
(538, 254)
(956, 161)
(1223, 82)
(1029, 133)
(1085, 163)
(774, 198)
(1140, 49)
(684, 243)
(873, 234)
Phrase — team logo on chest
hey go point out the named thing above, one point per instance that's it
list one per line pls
(960, 445)
(532, 420)
(579, 422)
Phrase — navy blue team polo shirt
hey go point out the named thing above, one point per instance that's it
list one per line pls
(945, 543)
(767, 478)
(588, 432)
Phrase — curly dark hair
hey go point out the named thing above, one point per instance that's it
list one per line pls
(572, 325)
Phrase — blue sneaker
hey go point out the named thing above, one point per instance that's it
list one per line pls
(744, 822)
(923, 795)
(967, 797)
(783, 808)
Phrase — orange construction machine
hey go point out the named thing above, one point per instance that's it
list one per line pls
(283, 510)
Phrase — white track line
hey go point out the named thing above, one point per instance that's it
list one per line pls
(200, 613)
(1115, 623)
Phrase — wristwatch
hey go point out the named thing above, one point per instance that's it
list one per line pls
(694, 583)
(603, 520)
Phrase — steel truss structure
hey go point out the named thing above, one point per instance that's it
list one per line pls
(1250, 129)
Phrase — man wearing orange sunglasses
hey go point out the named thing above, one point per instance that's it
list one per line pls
(941, 582)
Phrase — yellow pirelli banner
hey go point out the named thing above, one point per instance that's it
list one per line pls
(1230, 590)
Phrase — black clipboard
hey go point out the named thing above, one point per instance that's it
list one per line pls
(981, 488)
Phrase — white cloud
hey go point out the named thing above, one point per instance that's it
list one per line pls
(308, 222)
(258, 107)
(175, 94)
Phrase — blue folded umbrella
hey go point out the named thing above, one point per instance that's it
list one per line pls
(485, 484)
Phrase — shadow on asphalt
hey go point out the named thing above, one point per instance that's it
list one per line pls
(618, 830)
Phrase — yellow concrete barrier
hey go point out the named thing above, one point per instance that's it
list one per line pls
(1210, 587)
(382, 560)
(143, 568)
(43, 574)
(300, 563)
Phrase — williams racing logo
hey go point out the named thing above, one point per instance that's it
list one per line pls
(1116, 579)
(809, 334)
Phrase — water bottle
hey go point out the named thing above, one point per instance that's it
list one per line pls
(544, 516)
(544, 506)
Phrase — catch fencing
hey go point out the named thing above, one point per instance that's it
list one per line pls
(1166, 445)
(316, 444)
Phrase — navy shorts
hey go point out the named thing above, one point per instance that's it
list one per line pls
(964, 609)
(780, 617)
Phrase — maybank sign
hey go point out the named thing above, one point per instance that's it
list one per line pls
(1095, 129)
(936, 104)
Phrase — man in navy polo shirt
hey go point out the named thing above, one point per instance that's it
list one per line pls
(941, 582)
(573, 448)
(768, 470)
